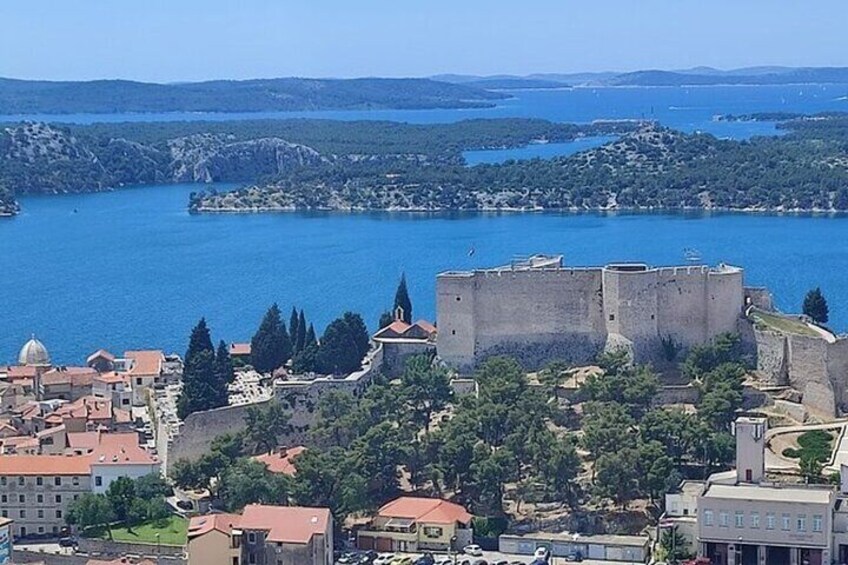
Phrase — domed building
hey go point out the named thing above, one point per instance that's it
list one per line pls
(33, 353)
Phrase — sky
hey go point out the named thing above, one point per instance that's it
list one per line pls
(187, 40)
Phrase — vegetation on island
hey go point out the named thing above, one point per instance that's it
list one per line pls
(257, 95)
(815, 306)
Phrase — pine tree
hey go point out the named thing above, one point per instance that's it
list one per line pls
(358, 332)
(293, 329)
(402, 300)
(224, 374)
(199, 380)
(386, 318)
(815, 306)
(310, 337)
(270, 346)
(343, 345)
(300, 342)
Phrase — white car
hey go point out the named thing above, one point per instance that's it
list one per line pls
(384, 559)
(473, 549)
(542, 553)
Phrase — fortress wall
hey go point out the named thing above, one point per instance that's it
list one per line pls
(630, 312)
(837, 368)
(725, 296)
(455, 294)
(808, 374)
(772, 357)
(682, 305)
(759, 297)
(538, 315)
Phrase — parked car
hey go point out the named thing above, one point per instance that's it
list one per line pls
(67, 542)
(384, 559)
(426, 559)
(542, 553)
(473, 549)
(402, 561)
(481, 562)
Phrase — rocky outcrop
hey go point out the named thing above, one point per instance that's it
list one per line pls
(214, 158)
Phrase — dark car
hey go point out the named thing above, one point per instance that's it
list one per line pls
(67, 542)
(426, 559)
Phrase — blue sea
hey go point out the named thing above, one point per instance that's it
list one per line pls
(132, 269)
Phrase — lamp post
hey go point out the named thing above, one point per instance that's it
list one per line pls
(453, 550)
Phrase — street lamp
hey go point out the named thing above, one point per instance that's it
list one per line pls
(453, 551)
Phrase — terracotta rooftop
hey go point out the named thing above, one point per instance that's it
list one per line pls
(430, 510)
(15, 372)
(74, 376)
(426, 326)
(239, 349)
(281, 461)
(112, 377)
(200, 525)
(286, 524)
(121, 449)
(120, 561)
(421, 330)
(146, 362)
(83, 441)
(11, 465)
(99, 354)
(88, 407)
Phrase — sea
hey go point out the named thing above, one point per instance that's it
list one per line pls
(133, 269)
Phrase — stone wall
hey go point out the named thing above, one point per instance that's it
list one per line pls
(114, 549)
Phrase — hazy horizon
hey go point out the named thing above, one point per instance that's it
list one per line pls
(195, 40)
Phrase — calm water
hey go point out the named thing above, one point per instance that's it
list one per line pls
(535, 150)
(133, 269)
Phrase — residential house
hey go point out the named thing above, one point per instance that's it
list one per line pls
(114, 387)
(417, 524)
(145, 368)
(263, 535)
(281, 460)
(119, 455)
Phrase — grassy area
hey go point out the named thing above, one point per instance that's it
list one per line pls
(816, 445)
(171, 530)
(783, 323)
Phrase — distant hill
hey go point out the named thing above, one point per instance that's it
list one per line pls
(703, 76)
(261, 95)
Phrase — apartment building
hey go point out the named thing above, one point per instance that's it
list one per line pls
(741, 517)
(35, 491)
(262, 535)
(413, 524)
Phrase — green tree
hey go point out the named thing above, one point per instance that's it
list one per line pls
(657, 471)
(634, 387)
(90, 510)
(335, 425)
(224, 375)
(294, 328)
(617, 476)
(402, 300)
(305, 361)
(607, 426)
(121, 493)
(674, 545)
(343, 345)
(300, 342)
(359, 332)
(250, 482)
(201, 390)
(426, 389)
(815, 306)
(151, 486)
(263, 427)
(311, 339)
(270, 345)
(386, 318)
(724, 348)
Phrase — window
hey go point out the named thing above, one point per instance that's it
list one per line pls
(58, 499)
(40, 499)
(75, 481)
(76, 497)
(612, 317)
(57, 481)
(740, 519)
(98, 481)
(4, 499)
(755, 519)
(22, 498)
(785, 518)
(802, 523)
(39, 481)
(58, 513)
(251, 559)
(251, 537)
(40, 513)
(22, 513)
(770, 521)
(21, 481)
(433, 532)
(708, 517)
(5, 513)
(40, 529)
(2, 481)
(722, 519)
(138, 381)
(817, 523)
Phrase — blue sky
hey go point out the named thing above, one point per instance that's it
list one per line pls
(174, 40)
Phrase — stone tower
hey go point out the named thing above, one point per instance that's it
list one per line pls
(750, 449)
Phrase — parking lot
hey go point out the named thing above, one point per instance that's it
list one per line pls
(493, 557)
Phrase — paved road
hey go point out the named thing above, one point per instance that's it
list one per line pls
(495, 556)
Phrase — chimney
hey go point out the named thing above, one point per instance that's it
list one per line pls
(750, 449)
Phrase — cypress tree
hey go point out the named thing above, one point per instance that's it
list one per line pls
(338, 353)
(270, 346)
(358, 332)
(199, 390)
(293, 329)
(300, 342)
(386, 318)
(815, 306)
(224, 374)
(310, 337)
(402, 300)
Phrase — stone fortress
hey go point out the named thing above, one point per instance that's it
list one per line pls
(539, 310)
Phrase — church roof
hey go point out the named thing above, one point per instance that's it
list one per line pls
(33, 353)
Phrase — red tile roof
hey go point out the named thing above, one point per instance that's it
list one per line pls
(100, 354)
(120, 561)
(83, 441)
(426, 326)
(200, 525)
(286, 524)
(11, 465)
(281, 461)
(120, 449)
(146, 362)
(112, 377)
(429, 510)
(240, 349)
(74, 376)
